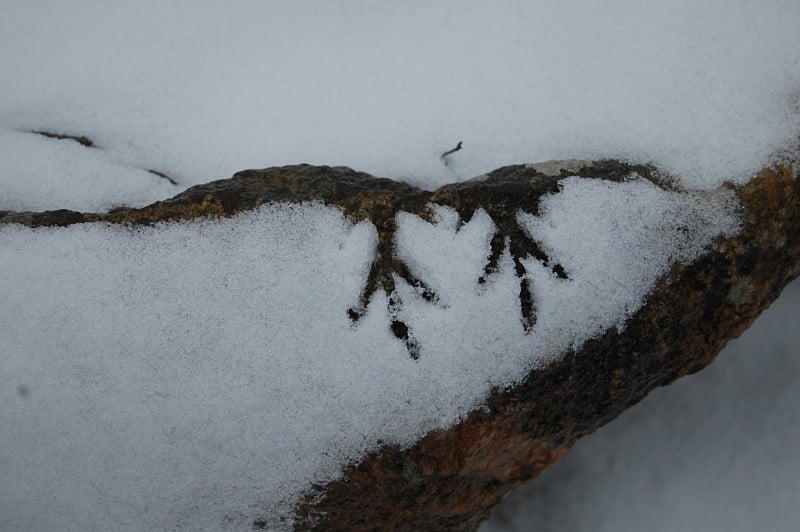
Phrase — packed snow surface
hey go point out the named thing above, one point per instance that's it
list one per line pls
(204, 374)
(200, 90)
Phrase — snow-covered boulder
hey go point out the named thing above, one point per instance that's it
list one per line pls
(310, 345)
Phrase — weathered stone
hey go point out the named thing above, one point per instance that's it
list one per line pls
(451, 479)
(686, 321)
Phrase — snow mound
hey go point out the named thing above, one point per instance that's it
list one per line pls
(203, 375)
(703, 89)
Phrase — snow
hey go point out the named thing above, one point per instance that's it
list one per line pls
(199, 91)
(715, 451)
(204, 374)
(41, 173)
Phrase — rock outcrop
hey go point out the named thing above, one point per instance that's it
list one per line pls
(451, 479)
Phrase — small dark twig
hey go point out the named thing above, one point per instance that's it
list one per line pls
(445, 154)
(80, 139)
(162, 175)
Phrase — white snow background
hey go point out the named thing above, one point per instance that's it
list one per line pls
(202, 375)
(199, 90)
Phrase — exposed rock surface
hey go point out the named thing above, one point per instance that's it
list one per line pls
(452, 478)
